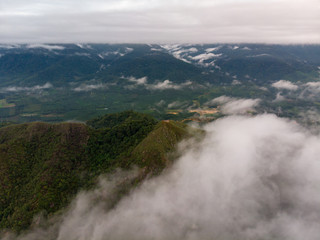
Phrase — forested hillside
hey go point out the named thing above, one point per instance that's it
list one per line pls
(42, 166)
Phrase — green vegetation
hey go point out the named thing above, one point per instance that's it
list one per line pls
(114, 136)
(40, 168)
(152, 152)
(4, 104)
(42, 165)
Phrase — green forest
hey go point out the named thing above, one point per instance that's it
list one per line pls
(43, 165)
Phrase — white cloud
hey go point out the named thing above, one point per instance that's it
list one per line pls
(313, 86)
(284, 84)
(204, 56)
(89, 87)
(46, 46)
(84, 46)
(279, 97)
(249, 178)
(221, 100)
(165, 85)
(9, 46)
(175, 104)
(186, 50)
(119, 52)
(161, 103)
(231, 105)
(82, 54)
(156, 49)
(26, 89)
(311, 116)
(260, 55)
(179, 52)
(263, 88)
(236, 82)
(128, 50)
(138, 81)
(212, 49)
(310, 91)
(240, 106)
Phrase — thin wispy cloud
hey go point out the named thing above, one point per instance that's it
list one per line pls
(310, 91)
(313, 86)
(204, 56)
(46, 46)
(158, 85)
(25, 89)
(89, 87)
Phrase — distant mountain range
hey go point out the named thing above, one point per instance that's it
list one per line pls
(60, 82)
(61, 64)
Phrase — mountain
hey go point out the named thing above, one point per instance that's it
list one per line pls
(252, 62)
(77, 82)
(152, 151)
(60, 64)
(28, 65)
(42, 166)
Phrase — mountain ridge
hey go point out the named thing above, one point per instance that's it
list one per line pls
(43, 166)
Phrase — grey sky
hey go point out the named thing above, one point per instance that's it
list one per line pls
(160, 21)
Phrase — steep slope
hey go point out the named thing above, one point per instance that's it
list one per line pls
(42, 166)
(152, 153)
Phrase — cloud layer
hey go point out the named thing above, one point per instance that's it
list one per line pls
(250, 178)
(160, 21)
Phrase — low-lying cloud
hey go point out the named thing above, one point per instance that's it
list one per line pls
(249, 178)
(138, 81)
(204, 56)
(310, 91)
(89, 87)
(311, 117)
(230, 105)
(279, 97)
(25, 89)
(313, 87)
(284, 84)
(178, 104)
(158, 85)
(46, 46)
(167, 84)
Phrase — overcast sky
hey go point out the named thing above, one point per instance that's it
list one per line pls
(160, 21)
